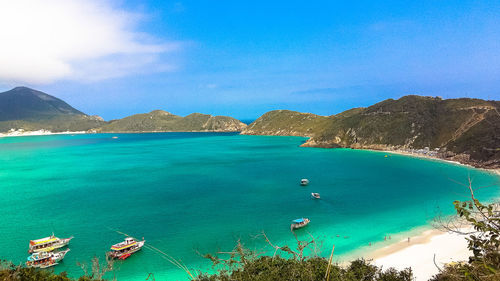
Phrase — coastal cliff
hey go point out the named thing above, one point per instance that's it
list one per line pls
(463, 130)
(162, 121)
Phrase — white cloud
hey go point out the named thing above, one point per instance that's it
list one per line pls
(42, 41)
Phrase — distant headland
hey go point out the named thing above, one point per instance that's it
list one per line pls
(464, 130)
(25, 109)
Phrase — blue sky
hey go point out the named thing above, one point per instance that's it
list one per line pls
(243, 58)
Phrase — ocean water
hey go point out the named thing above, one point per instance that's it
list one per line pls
(192, 193)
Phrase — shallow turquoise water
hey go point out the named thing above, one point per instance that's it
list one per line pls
(201, 192)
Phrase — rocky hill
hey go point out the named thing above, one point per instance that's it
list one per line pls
(30, 110)
(162, 121)
(466, 130)
(287, 123)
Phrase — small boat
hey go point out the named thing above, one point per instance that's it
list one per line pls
(304, 182)
(124, 256)
(126, 248)
(299, 223)
(45, 259)
(48, 244)
(315, 195)
(114, 137)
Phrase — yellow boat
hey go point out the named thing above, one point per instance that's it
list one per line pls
(48, 244)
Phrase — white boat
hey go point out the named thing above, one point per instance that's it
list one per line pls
(48, 244)
(304, 182)
(315, 195)
(299, 223)
(45, 259)
(126, 248)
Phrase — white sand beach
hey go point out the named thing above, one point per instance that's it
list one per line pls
(421, 251)
(418, 155)
(20, 133)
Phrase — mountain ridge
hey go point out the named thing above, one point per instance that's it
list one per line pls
(162, 121)
(464, 130)
(26, 109)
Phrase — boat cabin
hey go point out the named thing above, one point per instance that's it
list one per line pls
(38, 259)
(123, 246)
(124, 249)
(43, 243)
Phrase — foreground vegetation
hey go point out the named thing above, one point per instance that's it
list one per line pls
(93, 272)
(316, 268)
(263, 268)
(483, 241)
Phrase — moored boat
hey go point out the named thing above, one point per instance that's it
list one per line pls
(315, 195)
(45, 259)
(48, 244)
(304, 182)
(299, 223)
(126, 248)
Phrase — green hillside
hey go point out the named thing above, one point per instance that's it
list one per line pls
(289, 123)
(466, 130)
(162, 121)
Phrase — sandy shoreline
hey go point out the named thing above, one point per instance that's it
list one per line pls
(398, 152)
(38, 133)
(426, 245)
(424, 253)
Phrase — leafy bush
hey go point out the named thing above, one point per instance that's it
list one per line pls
(246, 265)
(484, 242)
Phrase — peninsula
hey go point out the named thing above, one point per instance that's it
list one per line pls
(464, 130)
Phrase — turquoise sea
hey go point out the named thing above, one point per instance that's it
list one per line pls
(200, 192)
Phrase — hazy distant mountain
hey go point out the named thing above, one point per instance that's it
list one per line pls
(28, 109)
(22, 103)
(466, 130)
(162, 121)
